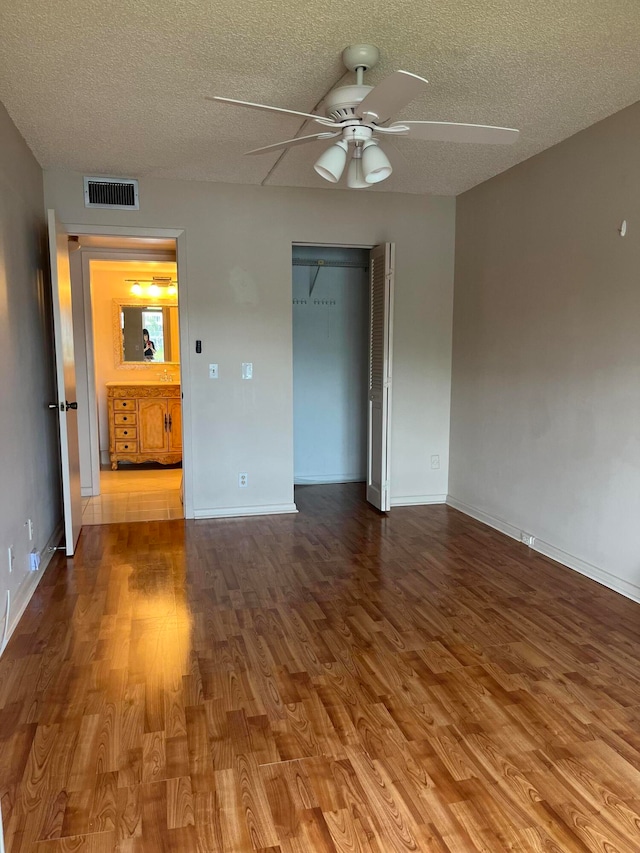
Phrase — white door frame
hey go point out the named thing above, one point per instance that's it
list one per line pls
(180, 236)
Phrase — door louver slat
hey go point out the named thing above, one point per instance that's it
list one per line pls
(376, 361)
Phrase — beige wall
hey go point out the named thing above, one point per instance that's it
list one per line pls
(238, 279)
(545, 431)
(108, 283)
(29, 470)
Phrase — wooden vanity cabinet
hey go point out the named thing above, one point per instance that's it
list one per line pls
(145, 423)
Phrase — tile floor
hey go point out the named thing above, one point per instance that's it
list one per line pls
(135, 494)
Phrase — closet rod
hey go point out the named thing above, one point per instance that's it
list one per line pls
(298, 262)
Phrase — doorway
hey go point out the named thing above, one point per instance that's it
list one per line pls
(330, 364)
(131, 436)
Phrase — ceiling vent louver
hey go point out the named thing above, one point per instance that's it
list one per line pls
(120, 193)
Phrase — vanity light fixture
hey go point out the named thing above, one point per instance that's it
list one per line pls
(153, 287)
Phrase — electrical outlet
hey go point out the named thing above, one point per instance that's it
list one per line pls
(11, 557)
(34, 560)
(247, 370)
(527, 539)
(243, 481)
(435, 461)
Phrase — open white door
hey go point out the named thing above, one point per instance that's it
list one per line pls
(380, 343)
(65, 380)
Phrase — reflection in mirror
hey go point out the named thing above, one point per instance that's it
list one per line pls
(146, 334)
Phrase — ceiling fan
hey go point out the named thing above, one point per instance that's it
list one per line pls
(358, 114)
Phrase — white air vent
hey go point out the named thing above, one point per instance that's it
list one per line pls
(111, 192)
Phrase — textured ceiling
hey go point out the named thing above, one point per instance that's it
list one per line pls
(117, 87)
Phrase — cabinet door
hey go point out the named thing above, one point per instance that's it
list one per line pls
(175, 425)
(152, 425)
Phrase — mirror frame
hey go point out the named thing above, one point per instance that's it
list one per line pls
(118, 349)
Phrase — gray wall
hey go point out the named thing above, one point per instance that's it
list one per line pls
(545, 432)
(330, 366)
(29, 485)
(238, 302)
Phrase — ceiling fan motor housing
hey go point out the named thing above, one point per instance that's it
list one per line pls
(341, 103)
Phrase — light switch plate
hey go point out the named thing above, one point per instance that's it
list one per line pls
(247, 370)
(213, 371)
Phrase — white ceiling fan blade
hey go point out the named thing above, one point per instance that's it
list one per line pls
(446, 131)
(267, 108)
(392, 94)
(289, 143)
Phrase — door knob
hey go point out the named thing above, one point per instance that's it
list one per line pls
(54, 406)
(69, 405)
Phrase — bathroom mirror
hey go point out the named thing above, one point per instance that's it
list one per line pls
(145, 334)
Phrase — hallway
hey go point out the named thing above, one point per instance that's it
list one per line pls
(135, 493)
(335, 680)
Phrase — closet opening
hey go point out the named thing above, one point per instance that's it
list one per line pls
(331, 319)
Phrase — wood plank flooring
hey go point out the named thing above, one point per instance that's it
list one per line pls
(331, 681)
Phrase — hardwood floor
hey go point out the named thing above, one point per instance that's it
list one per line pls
(331, 681)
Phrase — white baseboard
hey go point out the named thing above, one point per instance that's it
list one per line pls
(86, 491)
(322, 479)
(28, 586)
(418, 500)
(601, 576)
(240, 511)
(489, 520)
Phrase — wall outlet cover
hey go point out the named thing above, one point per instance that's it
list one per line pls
(243, 481)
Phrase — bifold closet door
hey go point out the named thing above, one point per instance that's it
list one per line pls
(379, 404)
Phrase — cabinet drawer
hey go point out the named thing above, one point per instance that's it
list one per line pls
(127, 446)
(124, 405)
(122, 418)
(126, 433)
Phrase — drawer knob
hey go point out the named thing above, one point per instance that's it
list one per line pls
(126, 432)
(125, 418)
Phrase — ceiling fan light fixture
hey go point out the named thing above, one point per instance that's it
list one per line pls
(330, 164)
(359, 113)
(375, 163)
(355, 174)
